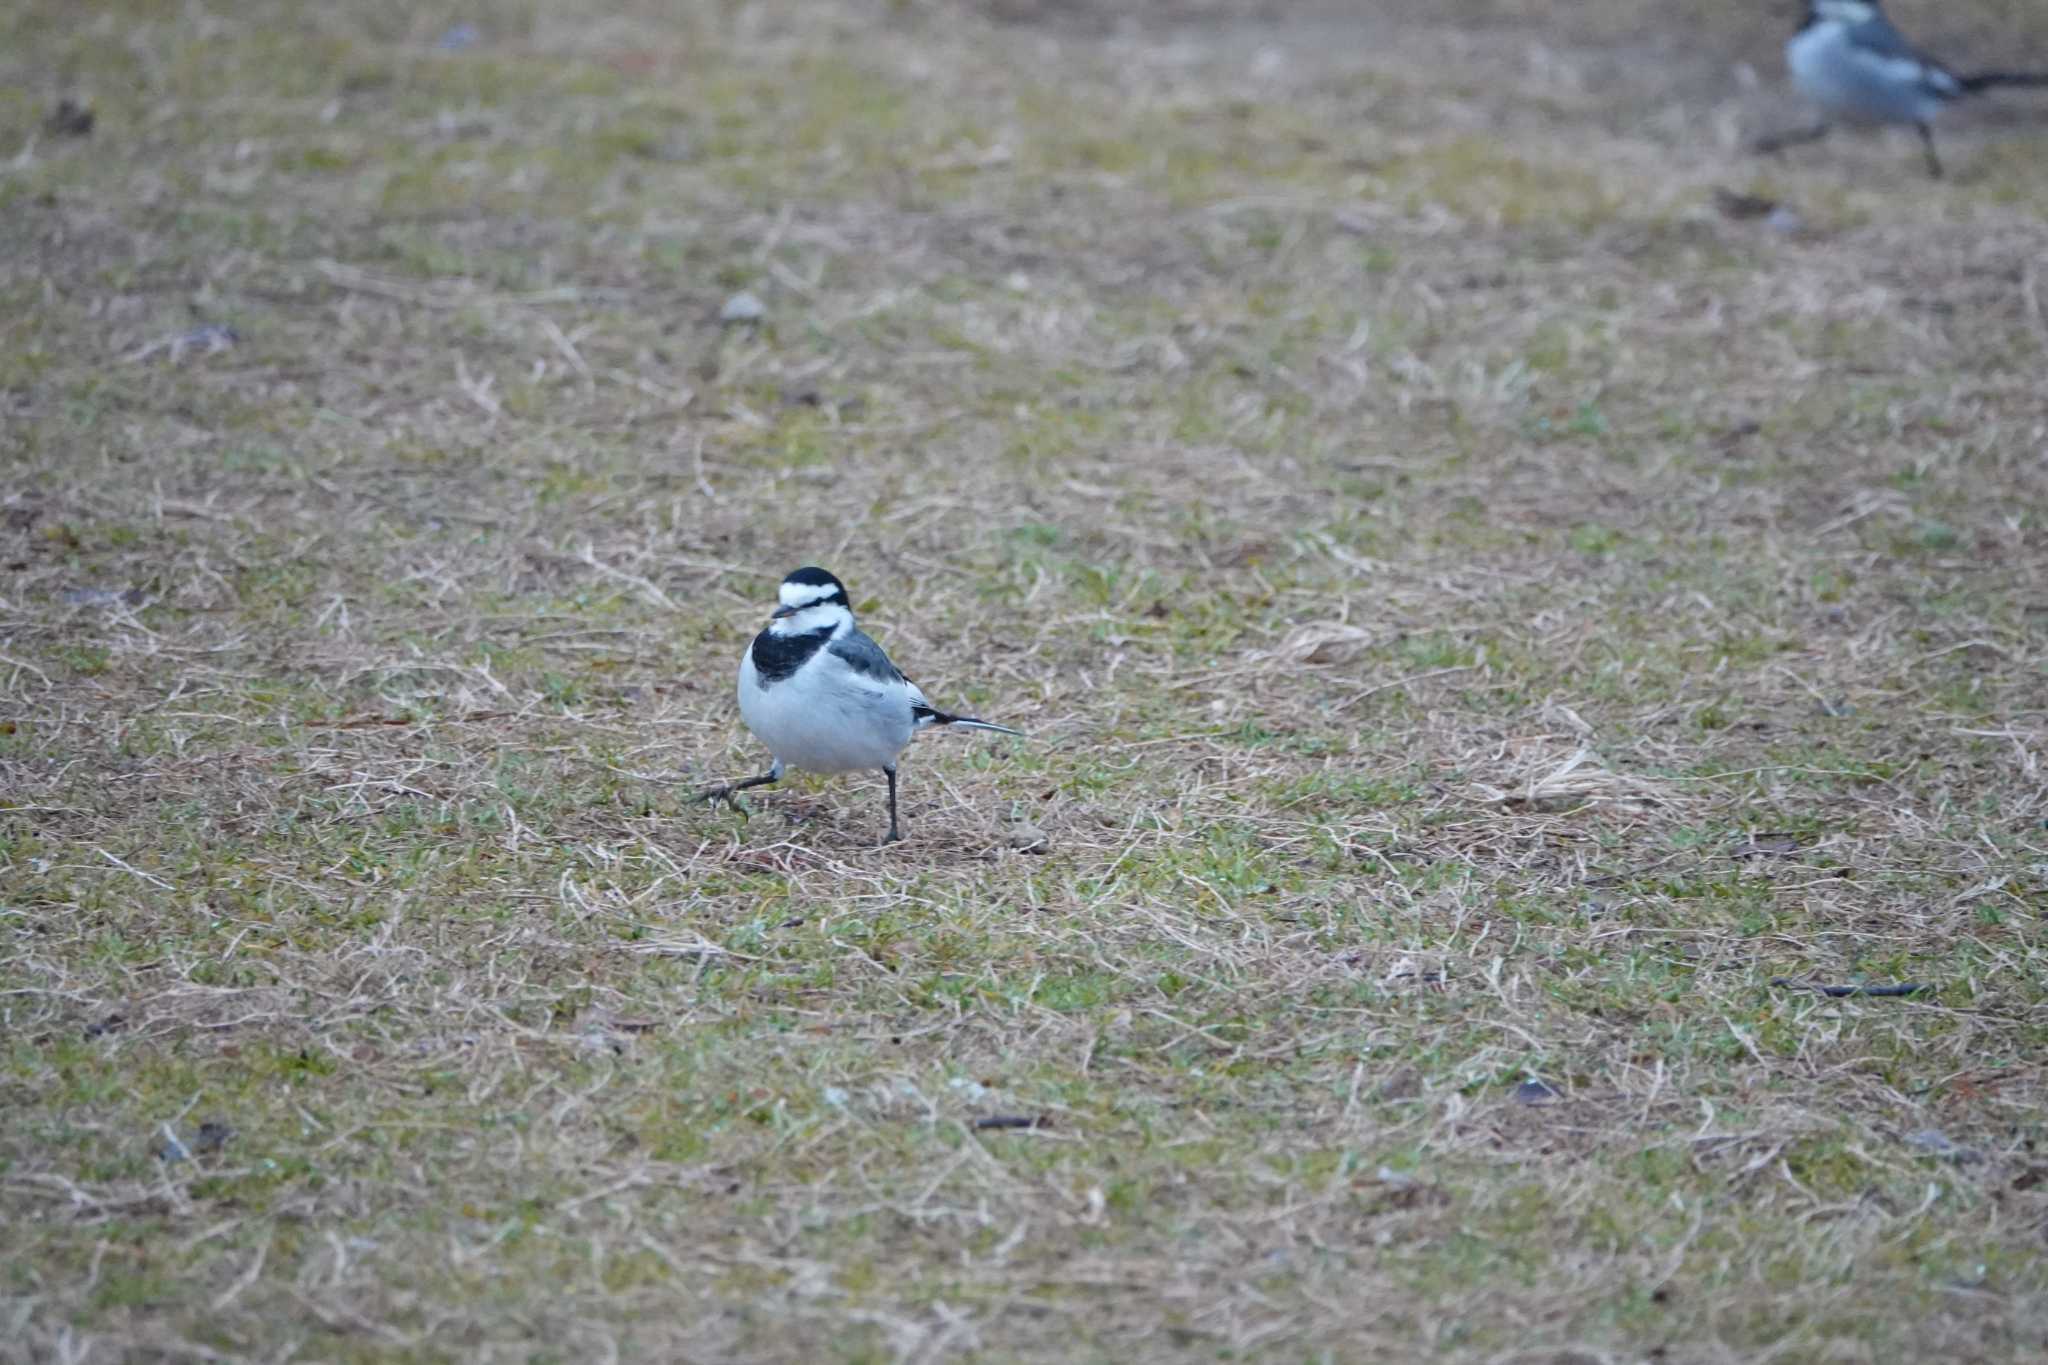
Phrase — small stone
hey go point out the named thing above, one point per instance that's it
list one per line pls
(742, 307)
(1785, 221)
(1404, 1084)
(69, 119)
(1734, 204)
(1533, 1091)
(1026, 837)
(458, 38)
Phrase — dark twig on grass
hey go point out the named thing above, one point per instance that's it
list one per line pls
(990, 1121)
(1902, 988)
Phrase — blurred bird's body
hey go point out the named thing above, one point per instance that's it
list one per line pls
(1853, 66)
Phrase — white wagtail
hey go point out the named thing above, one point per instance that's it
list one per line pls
(1851, 64)
(824, 697)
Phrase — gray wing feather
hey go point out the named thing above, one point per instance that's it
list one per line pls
(1876, 35)
(865, 657)
(1878, 38)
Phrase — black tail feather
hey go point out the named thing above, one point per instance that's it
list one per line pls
(931, 715)
(1985, 80)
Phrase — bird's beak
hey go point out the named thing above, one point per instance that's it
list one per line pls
(781, 612)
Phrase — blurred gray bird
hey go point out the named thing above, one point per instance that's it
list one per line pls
(1851, 64)
(824, 697)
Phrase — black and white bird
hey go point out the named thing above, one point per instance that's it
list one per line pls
(1851, 64)
(824, 697)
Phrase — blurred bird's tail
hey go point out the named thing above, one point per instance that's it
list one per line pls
(1985, 80)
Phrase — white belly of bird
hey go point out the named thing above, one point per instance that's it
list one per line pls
(824, 729)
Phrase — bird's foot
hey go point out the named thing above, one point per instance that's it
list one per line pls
(728, 792)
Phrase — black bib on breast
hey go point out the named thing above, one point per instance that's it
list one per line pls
(778, 656)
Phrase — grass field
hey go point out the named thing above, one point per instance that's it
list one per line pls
(1496, 629)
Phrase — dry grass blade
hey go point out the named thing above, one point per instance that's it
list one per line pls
(1539, 774)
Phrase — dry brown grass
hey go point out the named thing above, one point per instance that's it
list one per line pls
(1482, 616)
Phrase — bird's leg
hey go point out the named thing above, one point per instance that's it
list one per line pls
(726, 792)
(895, 831)
(1774, 143)
(1927, 141)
